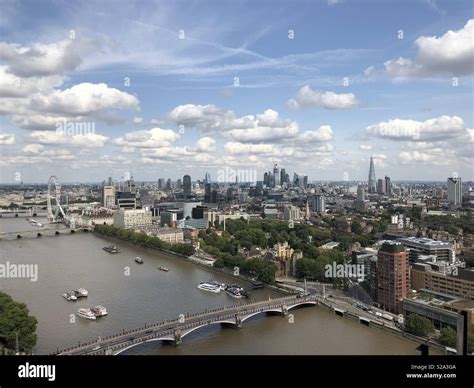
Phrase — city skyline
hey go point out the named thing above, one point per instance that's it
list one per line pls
(166, 96)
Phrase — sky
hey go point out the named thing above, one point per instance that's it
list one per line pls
(159, 89)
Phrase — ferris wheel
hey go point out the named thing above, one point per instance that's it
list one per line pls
(55, 210)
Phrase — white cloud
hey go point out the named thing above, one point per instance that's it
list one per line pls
(415, 156)
(33, 149)
(12, 85)
(88, 140)
(403, 68)
(236, 148)
(323, 133)
(40, 150)
(307, 97)
(365, 147)
(7, 139)
(451, 53)
(370, 71)
(380, 160)
(30, 78)
(206, 144)
(84, 99)
(152, 138)
(204, 117)
(45, 59)
(267, 126)
(443, 127)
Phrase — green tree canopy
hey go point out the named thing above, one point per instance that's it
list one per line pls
(418, 325)
(16, 321)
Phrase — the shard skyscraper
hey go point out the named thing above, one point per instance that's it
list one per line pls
(372, 180)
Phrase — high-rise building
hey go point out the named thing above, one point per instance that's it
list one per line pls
(295, 179)
(318, 203)
(282, 176)
(187, 186)
(108, 196)
(301, 181)
(207, 178)
(161, 183)
(381, 186)
(243, 197)
(291, 212)
(179, 184)
(455, 191)
(392, 276)
(266, 179)
(130, 186)
(214, 196)
(360, 193)
(168, 184)
(276, 174)
(126, 200)
(388, 186)
(271, 180)
(372, 180)
(207, 192)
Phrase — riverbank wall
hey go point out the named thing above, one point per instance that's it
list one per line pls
(439, 349)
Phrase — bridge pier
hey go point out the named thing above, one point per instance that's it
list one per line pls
(284, 310)
(238, 321)
(177, 337)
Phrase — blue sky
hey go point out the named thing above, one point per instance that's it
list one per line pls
(175, 87)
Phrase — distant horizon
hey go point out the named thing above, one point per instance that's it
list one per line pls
(175, 180)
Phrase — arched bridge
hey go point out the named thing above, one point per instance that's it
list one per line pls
(175, 330)
(41, 232)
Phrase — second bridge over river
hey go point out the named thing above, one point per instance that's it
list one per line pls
(175, 330)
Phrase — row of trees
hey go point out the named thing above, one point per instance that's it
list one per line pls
(16, 324)
(265, 234)
(257, 268)
(448, 337)
(451, 224)
(421, 326)
(315, 268)
(417, 325)
(144, 239)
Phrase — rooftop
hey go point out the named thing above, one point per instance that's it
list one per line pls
(424, 242)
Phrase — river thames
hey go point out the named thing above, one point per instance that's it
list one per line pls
(137, 294)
